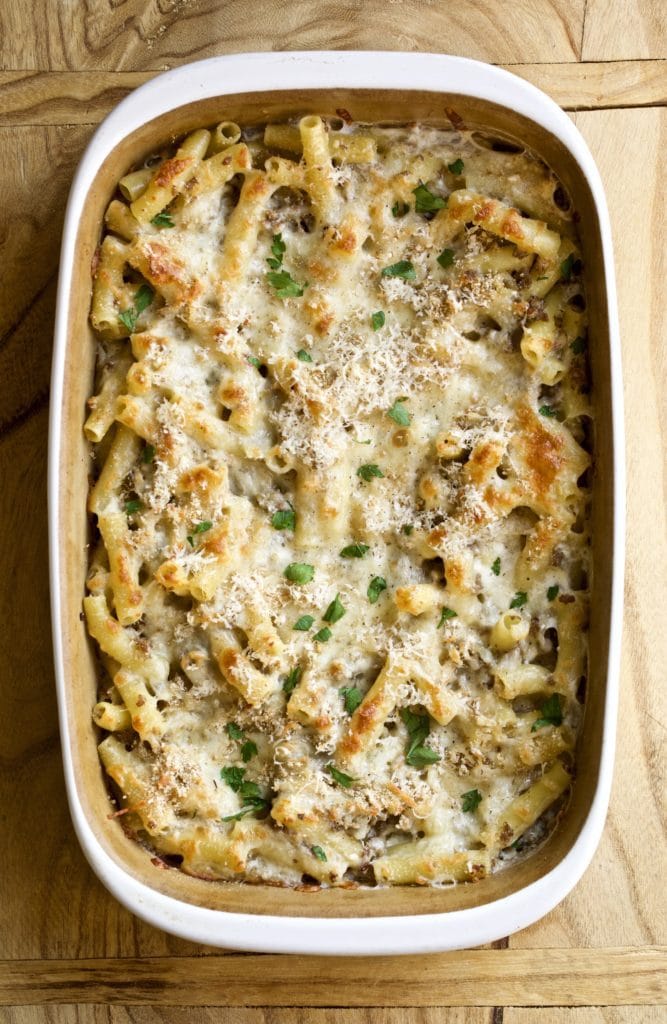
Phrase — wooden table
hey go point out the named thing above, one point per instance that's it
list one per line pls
(68, 952)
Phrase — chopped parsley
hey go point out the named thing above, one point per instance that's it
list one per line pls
(284, 519)
(375, 588)
(299, 572)
(471, 800)
(323, 635)
(566, 267)
(407, 529)
(552, 592)
(248, 750)
(142, 299)
(318, 853)
(340, 777)
(285, 285)
(495, 568)
(399, 414)
(446, 258)
(249, 792)
(303, 356)
(519, 599)
(254, 361)
(278, 249)
(400, 208)
(419, 726)
(354, 551)
(368, 471)
(578, 345)
(403, 268)
(132, 506)
(426, 201)
(234, 731)
(377, 320)
(446, 613)
(162, 220)
(551, 713)
(199, 528)
(233, 776)
(456, 167)
(547, 410)
(352, 698)
(335, 611)
(148, 454)
(304, 623)
(291, 681)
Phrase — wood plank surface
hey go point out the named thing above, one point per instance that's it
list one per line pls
(622, 29)
(69, 954)
(134, 35)
(544, 977)
(83, 98)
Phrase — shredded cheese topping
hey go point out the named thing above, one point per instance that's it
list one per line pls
(342, 432)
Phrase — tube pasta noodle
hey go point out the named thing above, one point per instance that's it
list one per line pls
(339, 580)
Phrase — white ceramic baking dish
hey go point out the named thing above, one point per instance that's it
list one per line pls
(254, 88)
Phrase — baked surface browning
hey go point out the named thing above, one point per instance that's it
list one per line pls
(342, 437)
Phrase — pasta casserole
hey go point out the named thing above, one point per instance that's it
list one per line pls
(341, 495)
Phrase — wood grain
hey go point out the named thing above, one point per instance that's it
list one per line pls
(135, 35)
(586, 1015)
(624, 29)
(100, 1014)
(83, 98)
(510, 977)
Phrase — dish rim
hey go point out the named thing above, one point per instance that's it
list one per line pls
(256, 73)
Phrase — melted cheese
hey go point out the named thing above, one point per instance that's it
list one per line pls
(428, 442)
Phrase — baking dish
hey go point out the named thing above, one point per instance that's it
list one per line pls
(372, 87)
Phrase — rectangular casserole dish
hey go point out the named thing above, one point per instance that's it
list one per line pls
(379, 87)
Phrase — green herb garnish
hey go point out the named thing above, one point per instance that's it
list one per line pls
(471, 800)
(495, 568)
(352, 698)
(318, 853)
(426, 201)
(323, 635)
(133, 506)
(377, 320)
(368, 471)
(375, 588)
(400, 208)
(403, 268)
(551, 713)
(162, 220)
(418, 726)
(278, 249)
(248, 750)
(303, 356)
(519, 599)
(457, 167)
(285, 285)
(335, 611)
(148, 454)
(399, 414)
(407, 529)
(354, 551)
(446, 613)
(547, 410)
(254, 361)
(292, 680)
(552, 592)
(446, 258)
(234, 731)
(284, 519)
(340, 777)
(233, 776)
(142, 299)
(199, 528)
(304, 623)
(567, 267)
(299, 572)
